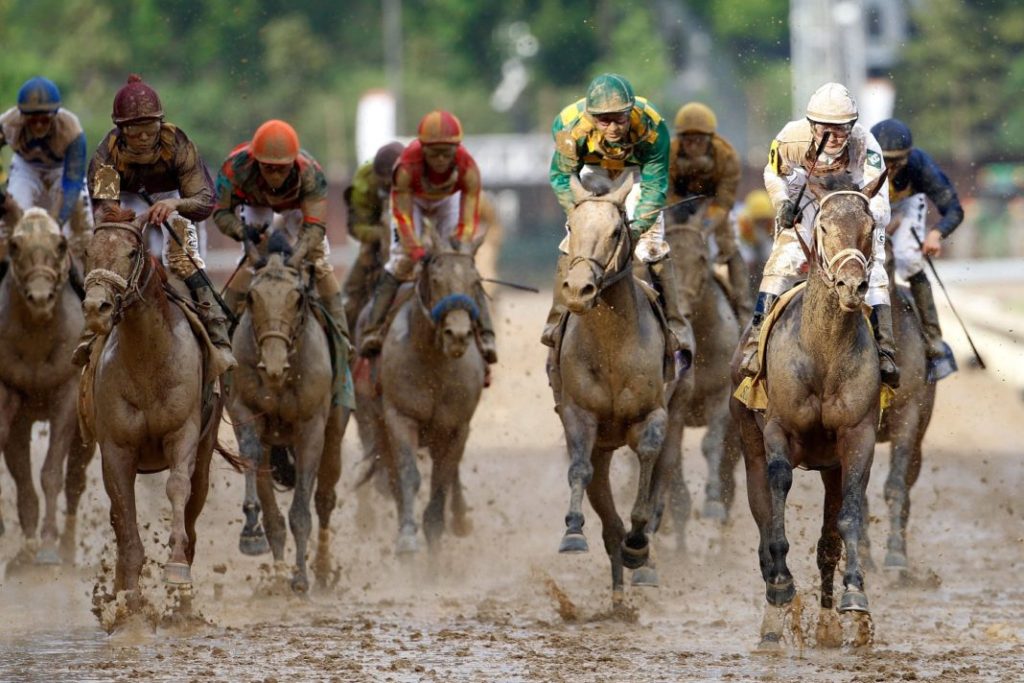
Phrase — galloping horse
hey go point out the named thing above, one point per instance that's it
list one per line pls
(608, 379)
(281, 399)
(716, 332)
(431, 375)
(40, 320)
(148, 391)
(823, 384)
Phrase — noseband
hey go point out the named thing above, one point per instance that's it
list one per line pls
(829, 266)
(436, 313)
(54, 276)
(127, 292)
(291, 337)
(604, 275)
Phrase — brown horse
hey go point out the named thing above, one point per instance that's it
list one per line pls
(716, 331)
(40, 321)
(148, 391)
(281, 402)
(430, 375)
(607, 375)
(823, 386)
(904, 423)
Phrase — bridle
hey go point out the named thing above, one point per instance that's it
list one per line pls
(289, 335)
(607, 274)
(829, 266)
(127, 291)
(54, 276)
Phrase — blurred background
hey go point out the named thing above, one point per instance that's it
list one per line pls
(355, 74)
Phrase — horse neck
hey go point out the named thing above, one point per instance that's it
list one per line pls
(827, 332)
(17, 312)
(615, 318)
(146, 329)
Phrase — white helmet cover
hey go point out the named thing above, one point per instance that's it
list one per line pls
(832, 103)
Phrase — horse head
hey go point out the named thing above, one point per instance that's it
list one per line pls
(599, 243)
(117, 261)
(446, 289)
(276, 305)
(843, 230)
(39, 262)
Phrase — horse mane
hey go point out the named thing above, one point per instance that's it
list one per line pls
(598, 184)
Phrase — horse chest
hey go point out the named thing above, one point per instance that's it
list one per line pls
(33, 367)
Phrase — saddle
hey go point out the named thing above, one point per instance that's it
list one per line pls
(343, 391)
(752, 391)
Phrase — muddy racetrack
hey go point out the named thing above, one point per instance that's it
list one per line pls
(501, 604)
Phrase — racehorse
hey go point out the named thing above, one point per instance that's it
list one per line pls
(823, 389)
(40, 321)
(607, 375)
(148, 392)
(281, 403)
(426, 384)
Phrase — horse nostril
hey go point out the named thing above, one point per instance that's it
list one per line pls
(862, 288)
(105, 306)
(588, 291)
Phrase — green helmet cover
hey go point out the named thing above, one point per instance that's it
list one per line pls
(609, 94)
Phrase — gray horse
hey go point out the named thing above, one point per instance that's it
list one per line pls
(607, 374)
(823, 387)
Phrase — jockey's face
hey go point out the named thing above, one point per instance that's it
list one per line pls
(839, 133)
(695, 144)
(439, 157)
(38, 125)
(141, 136)
(275, 174)
(614, 126)
(896, 161)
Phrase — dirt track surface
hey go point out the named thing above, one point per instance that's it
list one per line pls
(486, 609)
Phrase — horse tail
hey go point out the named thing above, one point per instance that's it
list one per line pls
(237, 462)
(372, 460)
(282, 466)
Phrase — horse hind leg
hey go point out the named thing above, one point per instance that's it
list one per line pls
(613, 531)
(309, 450)
(74, 486)
(905, 464)
(581, 433)
(252, 540)
(646, 439)
(325, 498)
(829, 632)
(63, 433)
(713, 447)
(18, 455)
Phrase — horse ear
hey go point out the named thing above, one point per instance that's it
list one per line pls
(13, 211)
(872, 188)
(579, 193)
(619, 192)
(431, 240)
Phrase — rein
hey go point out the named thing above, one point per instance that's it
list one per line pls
(829, 266)
(127, 292)
(600, 270)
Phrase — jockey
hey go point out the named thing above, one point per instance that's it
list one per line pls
(756, 226)
(48, 163)
(609, 132)
(703, 162)
(913, 177)
(272, 177)
(143, 152)
(367, 200)
(435, 177)
(851, 150)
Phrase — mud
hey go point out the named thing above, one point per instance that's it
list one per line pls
(502, 605)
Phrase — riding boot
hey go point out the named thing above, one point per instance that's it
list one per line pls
(235, 299)
(881, 320)
(739, 283)
(751, 363)
(216, 323)
(357, 283)
(921, 289)
(335, 306)
(677, 308)
(488, 347)
(548, 337)
(373, 334)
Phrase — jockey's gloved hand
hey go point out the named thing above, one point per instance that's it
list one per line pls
(253, 233)
(785, 217)
(417, 253)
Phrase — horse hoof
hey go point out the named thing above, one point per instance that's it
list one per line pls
(715, 510)
(632, 557)
(780, 593)
(853, 601)
(407, 544)
(645, 577)
(771, 643)
(573, 544)
(868, 563)
(177, 573)
(895, 560)
(462, 527)
(300, 584)
(47, 556)
(253, 544)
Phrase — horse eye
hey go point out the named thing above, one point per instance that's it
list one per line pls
(133, 254)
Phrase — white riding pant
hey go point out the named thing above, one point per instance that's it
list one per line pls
(290, 223)
(174, 257)
(31, 185)
(651, 247)
(787, 265)
(444, 213)
(912, 214)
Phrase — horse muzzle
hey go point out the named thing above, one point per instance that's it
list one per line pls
(273, 363)
(579, 292)
(41, 299)
(851, 292)
(98, 310)
(456, 333)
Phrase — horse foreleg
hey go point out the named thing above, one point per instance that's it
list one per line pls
(180, 451)
(119, 466)
(273, 520)
(462, 525)
(779, 589)
(18, 455)
(857, 447)
(309, 447)
(646, 439)
(830, 547)
(325, 497)
(74, 485)
(613, 531)
(906, 456)
(733, 454)
(403, 439)
(253, 540)
(713, 447)
(446, 454)
(581, 433)
(63, 429)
